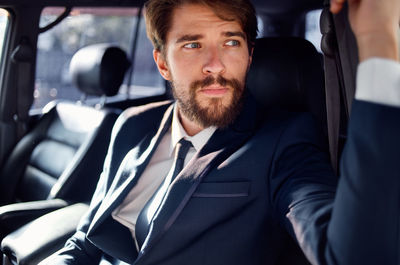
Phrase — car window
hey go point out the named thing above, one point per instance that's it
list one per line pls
(313, 33)
(4, 25)
(85, 26)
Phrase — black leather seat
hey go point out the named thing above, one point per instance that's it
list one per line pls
(287, 73)
(59, 161)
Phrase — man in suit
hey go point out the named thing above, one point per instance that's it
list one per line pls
(254, 189)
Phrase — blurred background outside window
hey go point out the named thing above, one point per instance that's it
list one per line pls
(83, 27)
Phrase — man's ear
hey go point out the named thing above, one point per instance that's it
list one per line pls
(161, 64)
(250, 58)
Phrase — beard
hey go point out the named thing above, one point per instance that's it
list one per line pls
(216, 112)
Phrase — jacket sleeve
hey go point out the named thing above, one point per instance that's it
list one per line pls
(357, 220)
(365, 223)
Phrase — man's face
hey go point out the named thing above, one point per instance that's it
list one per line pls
(206, 60)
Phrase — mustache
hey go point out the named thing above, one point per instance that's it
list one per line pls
(220, 80)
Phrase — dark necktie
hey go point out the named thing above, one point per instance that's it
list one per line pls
(146, 215)
(182, 148)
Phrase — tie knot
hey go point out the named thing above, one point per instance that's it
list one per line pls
(182, 148)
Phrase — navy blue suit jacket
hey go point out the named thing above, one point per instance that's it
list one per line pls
(255, 194)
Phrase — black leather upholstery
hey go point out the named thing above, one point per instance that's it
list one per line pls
(103, 73)
(29, 245)
(17, 214)
(68, 143)
(287, 73)
(62, 156)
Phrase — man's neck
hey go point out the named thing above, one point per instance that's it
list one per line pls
(191, 127)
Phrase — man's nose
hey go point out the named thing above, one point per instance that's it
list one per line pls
(214, 63)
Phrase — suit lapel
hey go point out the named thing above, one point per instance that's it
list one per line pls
(126, 178)
(222, 144)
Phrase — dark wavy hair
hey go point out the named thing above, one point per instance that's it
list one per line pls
(158, 17)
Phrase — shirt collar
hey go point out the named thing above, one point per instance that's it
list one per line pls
(178, 132)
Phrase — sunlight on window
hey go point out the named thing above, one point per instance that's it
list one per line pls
(4, 20)
(313, 33)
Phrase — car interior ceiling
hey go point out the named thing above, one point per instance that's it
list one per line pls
(283, 17)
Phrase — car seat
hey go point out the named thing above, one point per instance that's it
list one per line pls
(287, 73)
(58, 162)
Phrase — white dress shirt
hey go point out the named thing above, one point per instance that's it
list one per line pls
(156, 171)
(378, 81)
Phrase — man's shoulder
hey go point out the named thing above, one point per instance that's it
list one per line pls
(146, 112)
(292, 126)
(281, 119)
(141, 118)
(150, 109)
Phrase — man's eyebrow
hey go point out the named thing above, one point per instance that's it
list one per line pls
(234, 34)
(189, 37)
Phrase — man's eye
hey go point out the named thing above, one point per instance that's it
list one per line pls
(232, 43)
(192, 45)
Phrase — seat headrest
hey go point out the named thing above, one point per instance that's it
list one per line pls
(287, 73)
(99, 69)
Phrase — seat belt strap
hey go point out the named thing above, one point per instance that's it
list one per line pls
(332, 110)
(333, 85)
(22, 56)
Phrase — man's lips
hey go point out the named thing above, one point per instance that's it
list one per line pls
(214, 90)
